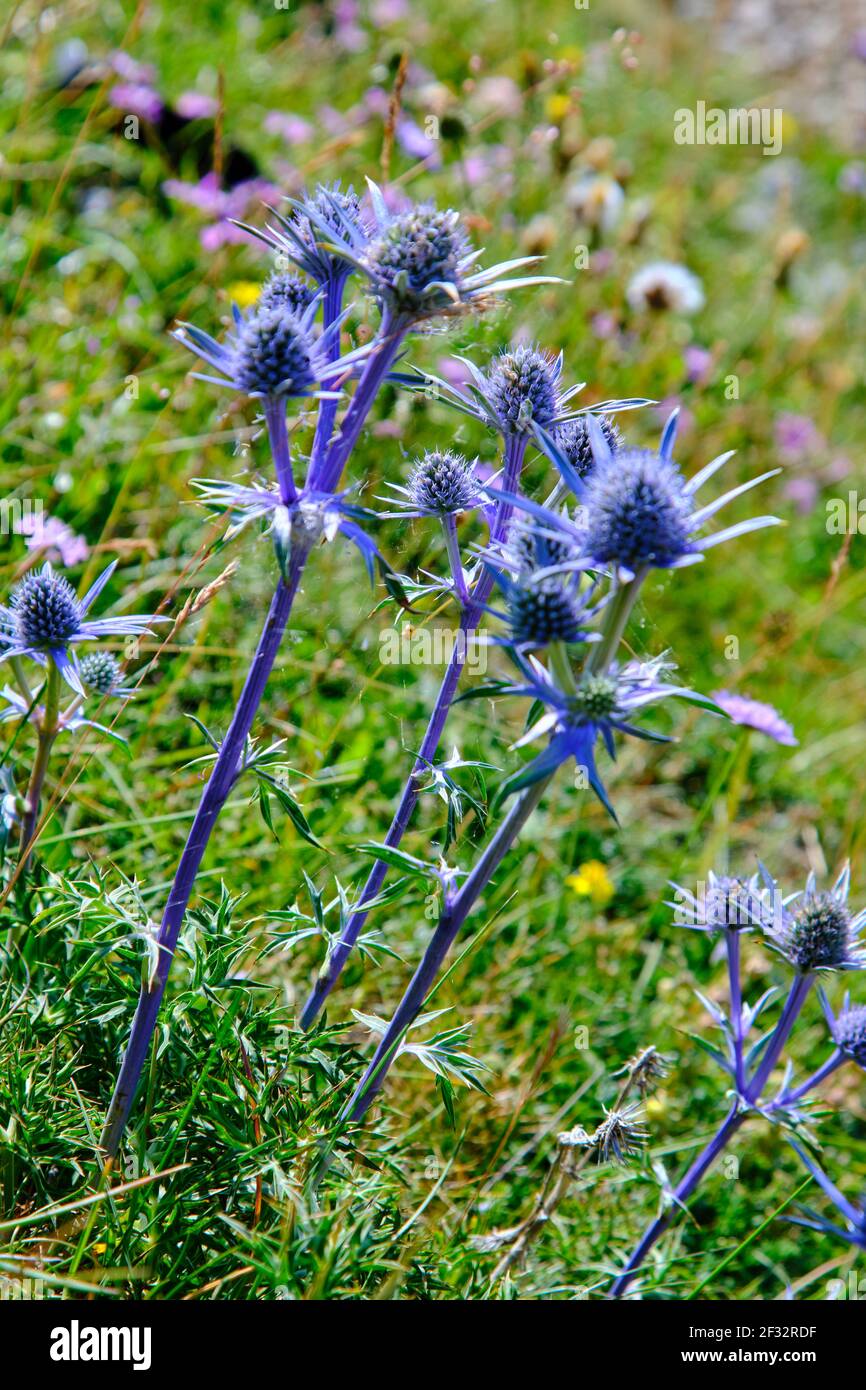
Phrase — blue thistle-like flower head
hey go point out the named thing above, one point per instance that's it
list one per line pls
(573, 440)
(45, 620)
(100, 672)
(416, 262)
(521, 388)
(322, 235)
(443, 483)
(271, 352)
(274, 354)
(530, 547)
(638, 512)
(723, 903)
(848, 1030)
(285, 291)
(816, 931)
(46, 611)
(542, 613)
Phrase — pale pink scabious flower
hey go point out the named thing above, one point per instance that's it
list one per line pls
(53, 537)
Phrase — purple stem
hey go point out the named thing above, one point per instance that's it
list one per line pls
(225, 768)
(701, 1165)
(454, 914)
(471, 615)
(325, 475)
(732, 943)
(219, 785)
(793, 1004)
(275, 418)
(833, 1062)
(334, 291)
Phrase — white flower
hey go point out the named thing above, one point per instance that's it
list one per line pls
(597, 200)
(664, 285)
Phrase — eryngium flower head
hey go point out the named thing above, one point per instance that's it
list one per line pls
(521, 388)
(270, 352)
(274, 354)
(848, 1030)
(646, 1070)
(417, 261)
(530, 547)
(322, 235)
(543, 613)
(100, 672)
(45, 609)
(45, 619)
(284, 291)
(574, 442)
(620, 1135)
(723, 903)
(420, 264)
(640, 509)
(443, 483)
(817, 931)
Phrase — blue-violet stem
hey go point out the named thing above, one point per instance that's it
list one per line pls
(453, 916)
(222, 778)
(219, 786)
(333, 305)
(793, 1004)
(701, 1165)
(470, 617)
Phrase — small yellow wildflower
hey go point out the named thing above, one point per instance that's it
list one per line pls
(592, 881)
(558, 106)
(244, 293)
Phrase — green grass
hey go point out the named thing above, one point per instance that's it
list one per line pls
(95, 264)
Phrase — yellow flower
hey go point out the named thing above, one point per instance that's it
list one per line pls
(592, 881)
(558, 106)
(244, 293)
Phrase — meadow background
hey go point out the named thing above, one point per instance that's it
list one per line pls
(101, 249)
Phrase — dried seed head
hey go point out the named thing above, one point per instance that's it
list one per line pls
(620, 1135)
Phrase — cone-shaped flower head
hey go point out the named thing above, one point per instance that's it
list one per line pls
(817, 930)
(286, 291)
(100, 672)
(640, 509)
(723, 903)
(521, 388)
(443, 483)
(44, 618)
(317, 232)
(271, 352)
(573, 440)
(848, 1030)
(543, 613)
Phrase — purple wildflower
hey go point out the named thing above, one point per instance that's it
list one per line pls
(754, 714)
